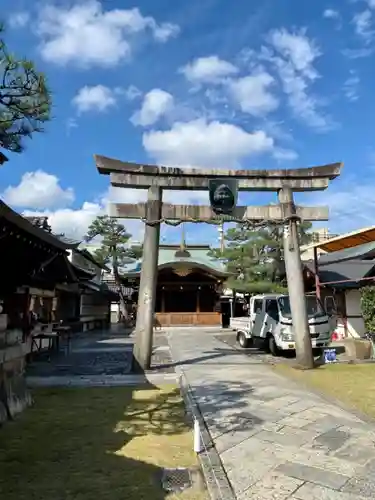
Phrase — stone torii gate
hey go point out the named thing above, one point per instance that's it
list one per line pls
(154, 212)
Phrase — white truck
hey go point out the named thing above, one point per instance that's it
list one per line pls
(269, 325)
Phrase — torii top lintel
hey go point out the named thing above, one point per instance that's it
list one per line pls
(139, 176)
(109, 165)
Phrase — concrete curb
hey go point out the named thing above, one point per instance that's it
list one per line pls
(217, 482)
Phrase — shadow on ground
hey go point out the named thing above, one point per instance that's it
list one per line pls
(81, 444)
(107, 352)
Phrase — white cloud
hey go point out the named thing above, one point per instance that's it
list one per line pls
(156, 103)
(282, 154)
(74, 222)
(131, 93)
(297, 49)
(350, 88)
(202, 143)
(209, 69)
(331, 14)
(165, 31)
(87, 35)
(19, 19)
(362, 24)
(296, 55)
(38, 190)
(252, 93)
(71, 222)
(97, 98)
(335, 16)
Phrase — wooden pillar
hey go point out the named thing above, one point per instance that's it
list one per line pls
(162, 300)
(198, 307)
(316, 271)
(55, 302)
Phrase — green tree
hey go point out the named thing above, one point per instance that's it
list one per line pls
(255, 257)
(368, 307)
(114, 250)
(25, 100)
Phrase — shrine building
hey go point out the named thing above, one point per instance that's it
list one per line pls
(189, 285)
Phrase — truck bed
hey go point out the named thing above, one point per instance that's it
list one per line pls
(240, 323)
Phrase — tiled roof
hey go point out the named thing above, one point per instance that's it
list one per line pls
(365, 251)
(198, 255)
(353, 270)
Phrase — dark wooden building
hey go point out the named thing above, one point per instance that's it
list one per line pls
(189, 285)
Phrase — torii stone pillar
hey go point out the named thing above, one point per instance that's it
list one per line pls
(147, 287)
(296, 287)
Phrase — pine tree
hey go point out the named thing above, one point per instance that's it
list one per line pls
(114, 249)
(25, 100)
(255, 257)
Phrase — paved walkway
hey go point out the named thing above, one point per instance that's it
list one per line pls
(97, 358)
(275, 439)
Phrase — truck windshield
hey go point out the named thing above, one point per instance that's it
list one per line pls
(314, 307)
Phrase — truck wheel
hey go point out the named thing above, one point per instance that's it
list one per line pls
(242, 340)
(273, 349)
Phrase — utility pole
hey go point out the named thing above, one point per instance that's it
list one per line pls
(221, 237)
(147, 287)
(296, 287)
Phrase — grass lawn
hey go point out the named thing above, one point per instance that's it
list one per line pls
(96, 443)
(353, 384)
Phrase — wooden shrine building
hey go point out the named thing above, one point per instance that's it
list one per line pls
(189, 285)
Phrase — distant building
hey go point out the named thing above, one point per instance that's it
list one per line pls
(318, 236)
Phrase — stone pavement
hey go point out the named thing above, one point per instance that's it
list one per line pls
(101, 357)
(275, 439)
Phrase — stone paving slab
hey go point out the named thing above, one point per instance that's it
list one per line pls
(274, 438)
(275, 486)
(310, 491)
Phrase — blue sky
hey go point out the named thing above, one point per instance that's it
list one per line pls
(210, 83)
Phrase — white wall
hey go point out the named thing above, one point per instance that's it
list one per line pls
(356, 325)
(94, 305)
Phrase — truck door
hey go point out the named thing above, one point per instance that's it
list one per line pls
(256, 306)
(259, 313)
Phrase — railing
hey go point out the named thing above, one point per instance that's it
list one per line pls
(320, 237)
(218, 484)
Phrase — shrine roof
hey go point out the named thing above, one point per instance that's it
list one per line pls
(194, 255)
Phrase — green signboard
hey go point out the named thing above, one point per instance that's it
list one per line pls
(223, 195)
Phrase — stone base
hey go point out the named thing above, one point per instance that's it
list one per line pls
(14, 394)
(358, 349)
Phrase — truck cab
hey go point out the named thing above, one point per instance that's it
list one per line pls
(269, 324)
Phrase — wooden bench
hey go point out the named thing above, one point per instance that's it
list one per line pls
(53, 337)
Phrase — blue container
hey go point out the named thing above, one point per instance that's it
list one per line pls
(330, 356)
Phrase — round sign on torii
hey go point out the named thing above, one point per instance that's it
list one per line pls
(223, 187)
